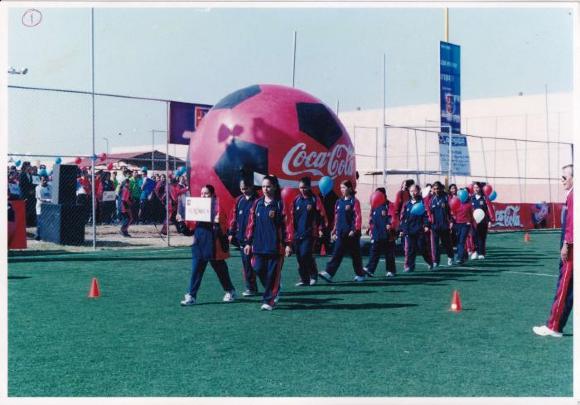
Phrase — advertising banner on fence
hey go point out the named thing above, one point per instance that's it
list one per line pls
(460, 155)
(527, 216)
(184, 120)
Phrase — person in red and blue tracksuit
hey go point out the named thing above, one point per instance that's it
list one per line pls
(266, 236)
(480, 201)
(346, 233)
(210, 245)
(382, 238)
(462, 220)
(414, 228)
(237, 231)
(452, 192)
(440, 218)
(308, 222)
(564, 298)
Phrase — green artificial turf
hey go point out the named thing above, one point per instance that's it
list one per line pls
(392, 338)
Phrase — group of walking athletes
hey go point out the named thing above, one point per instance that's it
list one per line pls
(267, 231)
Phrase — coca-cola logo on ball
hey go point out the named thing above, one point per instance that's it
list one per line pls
(269, 129)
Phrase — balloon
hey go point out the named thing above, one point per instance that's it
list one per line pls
(463, 195)
(418, 209)
(103, 157)
(469, 188)
(144, 169)
(478, 215)
(426, 191)
(325, 185)
(78, 161)
(288, 196)
(58, 160)
(275, 130)
(492, 196)
(18, 163)
(454, 203)
(110, 166)
(42, 172)
(487, 189)
(377, 199)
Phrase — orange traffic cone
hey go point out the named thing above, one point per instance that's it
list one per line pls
(455, 302)
(322, 250)
(94, 291)
(526, 237)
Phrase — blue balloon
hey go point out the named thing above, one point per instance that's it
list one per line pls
(463, 195)
(418, 209)
(325, 185)
(144, 169)
(492, 196)
(18, 163)
(42, 172)
(58, 161)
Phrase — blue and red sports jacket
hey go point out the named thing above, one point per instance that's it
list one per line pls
(379, 218)
(484, 203)
(347, 217)
(267, 231)
(412, 224)
(308, 217)
(439, 212)
(239, 217)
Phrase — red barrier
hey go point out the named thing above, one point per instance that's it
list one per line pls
(17, 229)
(527, 216)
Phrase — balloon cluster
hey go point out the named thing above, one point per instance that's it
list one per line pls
(179, 172)
(463, 196)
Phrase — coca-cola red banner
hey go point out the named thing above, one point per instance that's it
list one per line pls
(527, 216)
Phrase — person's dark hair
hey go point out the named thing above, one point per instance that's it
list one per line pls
(382, 190)
(349, 185)
(409, 183)
(211, 189)
(44, 177)
(274, 180)
(306, 181)
(452, 185)
(438, 184)
(428, 185)
(571, 166)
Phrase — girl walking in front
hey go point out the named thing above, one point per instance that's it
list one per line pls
(210, 246)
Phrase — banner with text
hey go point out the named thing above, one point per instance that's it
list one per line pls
(460, 155)
(184, 120)
(527, 216)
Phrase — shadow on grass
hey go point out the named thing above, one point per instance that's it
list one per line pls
(324, 292)
(18, 277)
(350, 307)
(96, 258)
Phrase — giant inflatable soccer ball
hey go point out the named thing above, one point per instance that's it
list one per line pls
(268, 129)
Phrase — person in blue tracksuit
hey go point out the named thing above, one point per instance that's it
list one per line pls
(479, 231)
(346, 233)
(413, 229)
(266, 237)
(237, 233)
(441, 223)
(382, 238)
(210, 245)
(308, 223)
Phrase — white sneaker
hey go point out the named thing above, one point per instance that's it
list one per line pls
(249, 293)
(300, 284)
(390, 274)
(474, 256)
(360, 279)
(449, 261)
(545, 331)
(325, 276)
(313, 281)
(368, 272)
(266, 307)
(188, 300)
(230, 296)
(481, 257)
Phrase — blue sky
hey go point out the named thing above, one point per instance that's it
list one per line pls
(200, 55)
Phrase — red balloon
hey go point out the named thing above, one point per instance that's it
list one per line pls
(110, 166)
(103, 157)
(454, 203)
(487, 189)
(269, 129)
(377, 199)
(469, 188)
(78, 161)
(288, 196)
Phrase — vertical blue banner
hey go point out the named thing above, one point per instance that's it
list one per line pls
(450, 103)
(450, 85)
